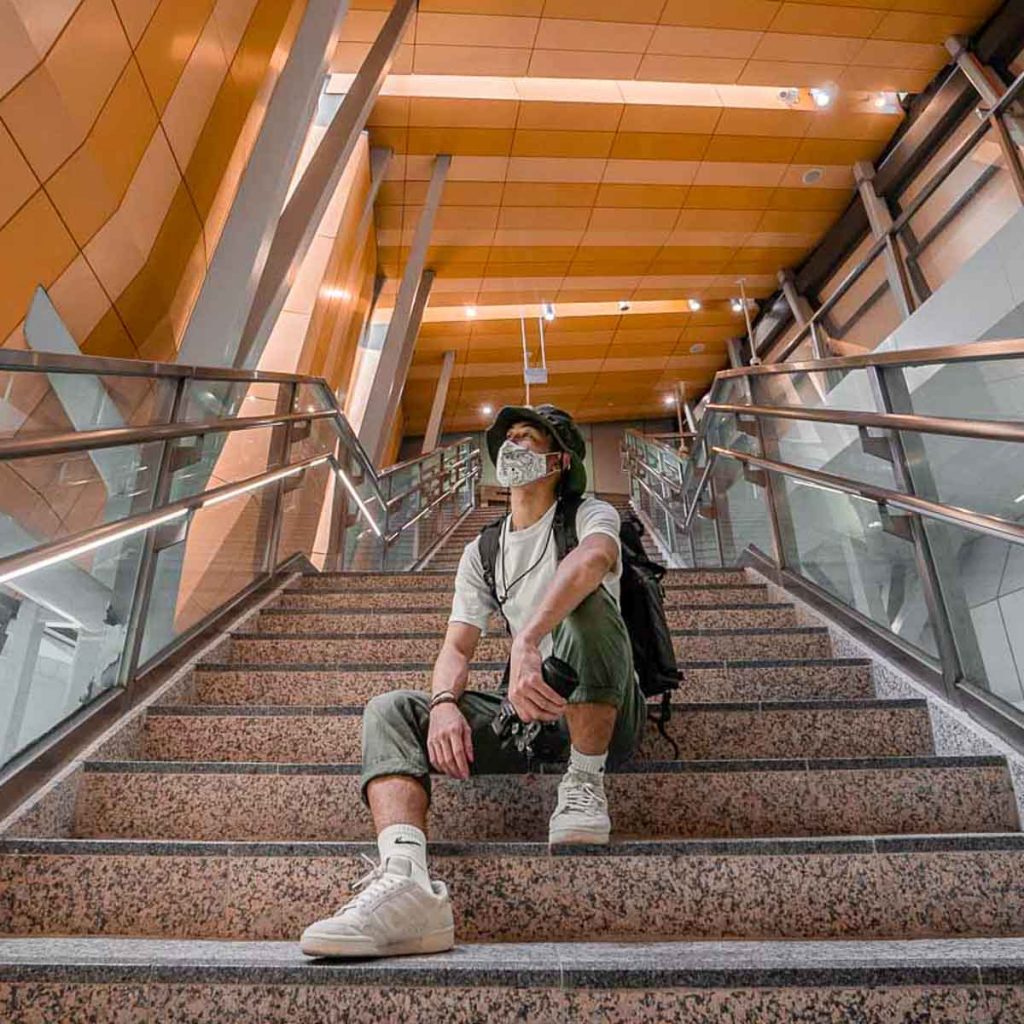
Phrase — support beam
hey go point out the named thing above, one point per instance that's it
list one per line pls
(880, 221)
(734, 347)
(309, 200)
(989, 86)
(803, 314)
(396, 351)
(440, 397)
(220, 313)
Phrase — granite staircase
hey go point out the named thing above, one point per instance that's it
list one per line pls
(807, 857)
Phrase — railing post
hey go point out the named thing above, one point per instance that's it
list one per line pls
(959, 657)
(143, 590)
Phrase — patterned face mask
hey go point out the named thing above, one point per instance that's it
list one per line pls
(518, 466)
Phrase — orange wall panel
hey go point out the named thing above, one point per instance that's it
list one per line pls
(93, 205)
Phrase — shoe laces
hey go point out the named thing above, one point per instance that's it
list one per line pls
(582, 796)
(376, 881)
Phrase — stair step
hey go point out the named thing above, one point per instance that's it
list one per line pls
(354, 684)
(396, 649)
(875, 728)
(913, 887)
(677, 799)
(417, 620)
(142, 980)
(717, 594)
(430, 579)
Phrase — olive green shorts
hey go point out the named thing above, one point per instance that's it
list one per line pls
(592, 638)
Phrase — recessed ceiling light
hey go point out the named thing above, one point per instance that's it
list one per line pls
(623, 305)
(881, 101)
(812, 175)
(694, 304)
(736, 305)
(791, 97)
(823, 95)
(548, 311)
(471, 311)
(487, 410)
(670, 399)
(697, 348)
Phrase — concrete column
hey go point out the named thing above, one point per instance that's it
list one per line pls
(309, 199)
(396, 351)
(433, 431)
(220, 313)
(880, 220)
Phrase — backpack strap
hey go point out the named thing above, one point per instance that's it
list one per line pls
(490, 539)
(564, 525)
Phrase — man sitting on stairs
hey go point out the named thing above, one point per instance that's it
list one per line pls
(569, 609)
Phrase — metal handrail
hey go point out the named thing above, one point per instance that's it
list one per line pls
(1012, 348)
(982, 430)
(991, 120)
(977, 522)
(116, 437)
(34, 362)
(25, 562)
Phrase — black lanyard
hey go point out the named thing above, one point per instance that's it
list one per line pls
(525, 572)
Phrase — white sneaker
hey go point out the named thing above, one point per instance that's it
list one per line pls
(581, 815)
(392, 915)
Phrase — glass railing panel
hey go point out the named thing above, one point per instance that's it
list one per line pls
(306, 515)
(312, 397)
(982, 584)
(223, 552)
(742, 512)
(991, 389)
(221, 399)
(973, 202)
(850, 389)
(62, 637)
(838, 541)
(34, 403)
(213, 459)
(830, 447)
(47, 497)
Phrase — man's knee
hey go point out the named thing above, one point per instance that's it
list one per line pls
(394, 706)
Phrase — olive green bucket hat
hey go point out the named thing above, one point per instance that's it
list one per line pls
(558, 423)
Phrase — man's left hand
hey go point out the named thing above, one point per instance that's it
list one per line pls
(532, 698)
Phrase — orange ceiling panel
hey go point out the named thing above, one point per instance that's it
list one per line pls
(620, 185)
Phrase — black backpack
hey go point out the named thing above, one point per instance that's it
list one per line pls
(641, 598)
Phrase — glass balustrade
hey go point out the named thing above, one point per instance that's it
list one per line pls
(112, 555)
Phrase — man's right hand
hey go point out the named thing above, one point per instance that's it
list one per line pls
(450, 741)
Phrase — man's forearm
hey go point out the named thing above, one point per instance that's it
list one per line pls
(451, 671)
(579, 574)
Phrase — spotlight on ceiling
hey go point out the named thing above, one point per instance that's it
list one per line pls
(471, 311)
(694, 304)
(670, 399)
(881, 101)
(791, 96)
(736, 305)
(548, 311)
(487, 410)
(823, 96)
(623, 305)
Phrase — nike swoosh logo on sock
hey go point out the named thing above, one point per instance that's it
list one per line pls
(406, 842)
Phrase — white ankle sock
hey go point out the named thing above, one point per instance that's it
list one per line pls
(406, 841)
(592, 764)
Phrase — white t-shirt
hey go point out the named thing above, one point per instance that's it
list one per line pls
(473, 603)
